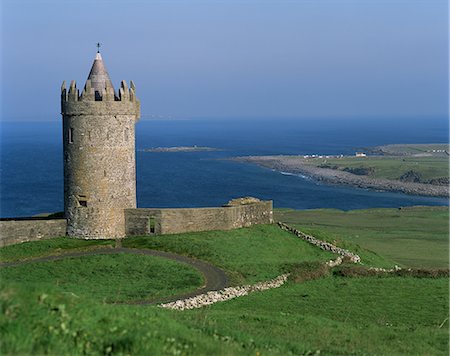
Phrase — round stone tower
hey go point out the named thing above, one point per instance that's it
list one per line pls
(99, 155)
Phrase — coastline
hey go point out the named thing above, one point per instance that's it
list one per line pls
(297, 165)
(179, 149)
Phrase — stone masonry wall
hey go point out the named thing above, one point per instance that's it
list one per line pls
(99, 160)
(143, 222)
(173, 221)
(137, 221)
(23, 230)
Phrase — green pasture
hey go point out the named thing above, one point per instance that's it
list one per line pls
(46, 308)
(412, 149)
(249, 255)
(410, 237)
(53, 246)
(390, 167)
(110, 278)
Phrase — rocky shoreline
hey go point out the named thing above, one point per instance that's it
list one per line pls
(298, 165)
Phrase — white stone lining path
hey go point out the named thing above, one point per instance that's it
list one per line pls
(222, 295)
(225, 294)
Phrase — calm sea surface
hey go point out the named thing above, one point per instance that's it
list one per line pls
(31, 162)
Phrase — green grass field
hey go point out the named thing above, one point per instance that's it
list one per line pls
(427, 168)
(248, 255)
(49, 247)
(411, 237)
(329, 315)
(413, 149)
(107, 277)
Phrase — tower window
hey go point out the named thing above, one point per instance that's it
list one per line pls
(126, 134)
(151, 224)
(71, 135)
(82, 200)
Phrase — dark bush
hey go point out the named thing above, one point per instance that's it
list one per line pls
(362, 271)
(305, 271)
(354, 271)
(359, 171)
(410, 176)
(328, 166)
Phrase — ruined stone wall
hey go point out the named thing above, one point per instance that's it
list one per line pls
(22, 230)
(172, 221)
(99, 160)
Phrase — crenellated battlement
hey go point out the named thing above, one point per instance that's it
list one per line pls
(90, 94)
(92, 102)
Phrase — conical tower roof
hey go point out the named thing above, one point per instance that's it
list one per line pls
(99, 76)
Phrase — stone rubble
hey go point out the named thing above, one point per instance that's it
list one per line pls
(391, 270)
(326, 246)
(334, 263)
(224, 294)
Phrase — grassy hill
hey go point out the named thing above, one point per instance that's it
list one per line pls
(46, 310)
(410, 237)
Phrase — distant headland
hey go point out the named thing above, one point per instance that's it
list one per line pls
(412, 169)
(179, 149)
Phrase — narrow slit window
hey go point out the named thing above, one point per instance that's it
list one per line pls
(126, 134)
(82, 200)
(151, 224)
(70, 135)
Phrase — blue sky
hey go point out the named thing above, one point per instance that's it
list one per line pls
(233, 59)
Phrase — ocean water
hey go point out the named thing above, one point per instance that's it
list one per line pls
(31, 162)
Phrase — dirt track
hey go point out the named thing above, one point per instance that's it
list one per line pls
(215, 278)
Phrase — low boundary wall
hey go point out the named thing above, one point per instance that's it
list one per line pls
(142, 222)
(18, 230)
(148, 221)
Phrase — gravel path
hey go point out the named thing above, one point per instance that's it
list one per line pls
(215, 278)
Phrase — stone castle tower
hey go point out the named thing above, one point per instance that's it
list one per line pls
(99, 154)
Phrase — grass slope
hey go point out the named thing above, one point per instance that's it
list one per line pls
(249, 254)
(110, 278)
(46, 247)
(333, 315)
(412, 237)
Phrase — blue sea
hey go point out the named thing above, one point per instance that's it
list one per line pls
(32, 170)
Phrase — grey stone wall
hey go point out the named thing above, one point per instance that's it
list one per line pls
(99, 160)
(137, 221)
(18, 231)
(145, 222)
(172, 221)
